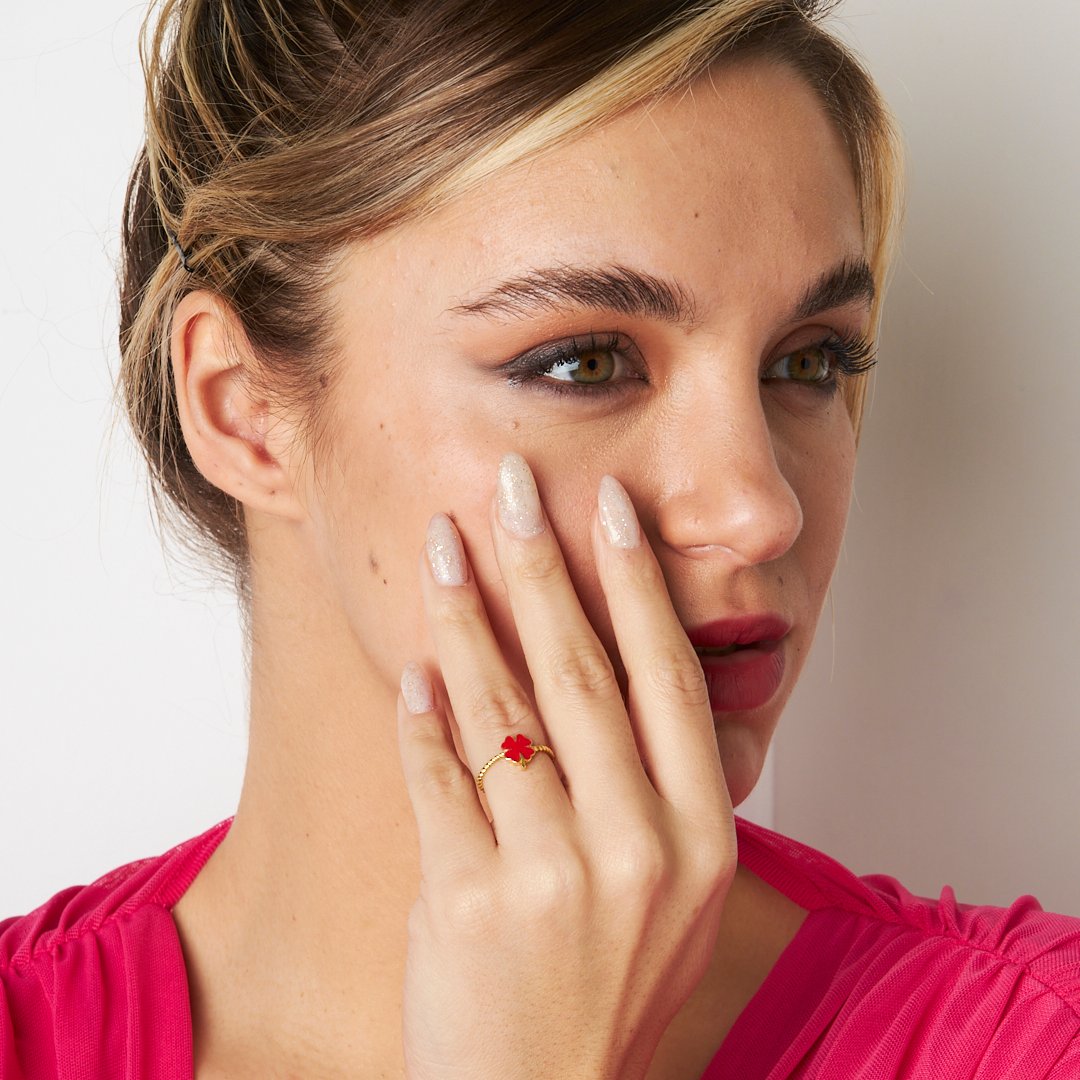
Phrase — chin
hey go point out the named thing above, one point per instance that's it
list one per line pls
(742, 755)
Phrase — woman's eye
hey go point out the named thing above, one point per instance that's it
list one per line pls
(810, 364)
(824, 362)
(588, 367)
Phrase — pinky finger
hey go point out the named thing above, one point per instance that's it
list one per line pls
(453, 828)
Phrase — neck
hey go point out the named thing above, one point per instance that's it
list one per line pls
(294, 933)
(300, 914)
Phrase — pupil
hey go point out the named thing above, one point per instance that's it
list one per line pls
(810, 358)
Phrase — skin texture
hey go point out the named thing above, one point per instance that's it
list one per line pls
(295, 932)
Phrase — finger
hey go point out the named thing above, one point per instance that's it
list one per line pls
(453, 829)
(668, 695)
(573, 680)
(487, 700)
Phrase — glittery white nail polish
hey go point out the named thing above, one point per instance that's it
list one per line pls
(518, 500)
(444, 551)
(617, 514)
(416, 689)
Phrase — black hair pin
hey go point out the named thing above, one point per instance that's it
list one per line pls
(179, 249)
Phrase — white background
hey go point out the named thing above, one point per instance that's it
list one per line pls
(934, 735)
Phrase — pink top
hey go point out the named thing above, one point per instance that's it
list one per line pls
(876, 984)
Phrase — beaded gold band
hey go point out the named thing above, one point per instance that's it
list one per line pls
(519, 750)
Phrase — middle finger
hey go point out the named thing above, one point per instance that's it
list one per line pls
(574, 683)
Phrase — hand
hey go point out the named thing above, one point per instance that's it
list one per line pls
(559, 939)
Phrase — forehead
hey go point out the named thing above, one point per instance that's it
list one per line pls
(741, 175)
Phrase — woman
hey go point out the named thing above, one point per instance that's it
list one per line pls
(512, 359)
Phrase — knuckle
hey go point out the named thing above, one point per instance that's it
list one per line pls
(640, 865)
(459, 610)
(555, 881)
(676, 674)
(542, 568)
(500, 708)
(442, 781)
(468, 907)
(710, 862)
(583, 671)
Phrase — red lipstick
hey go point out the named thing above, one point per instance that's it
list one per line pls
(748, 676)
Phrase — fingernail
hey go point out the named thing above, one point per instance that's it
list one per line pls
(617, 514)
(444, 551)
(416, 689)
(518, 500)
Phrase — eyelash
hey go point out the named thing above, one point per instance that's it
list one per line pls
(852, 356)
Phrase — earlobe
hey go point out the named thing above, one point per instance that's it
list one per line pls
(224, 426)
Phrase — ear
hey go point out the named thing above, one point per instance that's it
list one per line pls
(232, 437)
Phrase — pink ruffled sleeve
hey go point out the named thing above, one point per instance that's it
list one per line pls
(93, 983)
(880, 984)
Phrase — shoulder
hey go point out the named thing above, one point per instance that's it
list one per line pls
(96, 970)
(886, 977)
(156, 881)
(1043, 946)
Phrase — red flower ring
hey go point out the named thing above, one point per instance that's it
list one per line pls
(518, 749)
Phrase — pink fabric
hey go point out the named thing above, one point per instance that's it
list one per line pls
(876, 984)
(92, 982)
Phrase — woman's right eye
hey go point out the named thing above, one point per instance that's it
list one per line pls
(585, 367)
(588, 367)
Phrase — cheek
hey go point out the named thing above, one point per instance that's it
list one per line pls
(394, 465)
(821, 473)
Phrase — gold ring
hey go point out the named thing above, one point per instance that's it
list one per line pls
(519, 750)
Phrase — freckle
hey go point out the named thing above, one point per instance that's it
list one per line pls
(272, 494)
(515, 425)
(381, 426)
(384, 581)
(697, 213)
(373, 562)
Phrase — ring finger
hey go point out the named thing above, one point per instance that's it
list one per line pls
(488, 702)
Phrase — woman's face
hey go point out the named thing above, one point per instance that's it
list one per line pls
(740, 196)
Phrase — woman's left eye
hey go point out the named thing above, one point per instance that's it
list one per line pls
(847, 356)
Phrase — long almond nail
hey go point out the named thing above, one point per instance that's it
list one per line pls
(518, 499)
(416, 689)
(617, 514)
(444, 551)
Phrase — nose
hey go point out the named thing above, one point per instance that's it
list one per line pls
(722, 491)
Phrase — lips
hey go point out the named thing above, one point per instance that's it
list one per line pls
(764, 628)
(750, 676)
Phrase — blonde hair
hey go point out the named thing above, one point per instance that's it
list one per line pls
(276, 133)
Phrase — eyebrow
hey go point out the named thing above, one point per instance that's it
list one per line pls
(614, 287)
(610, 287)
(850, 281)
